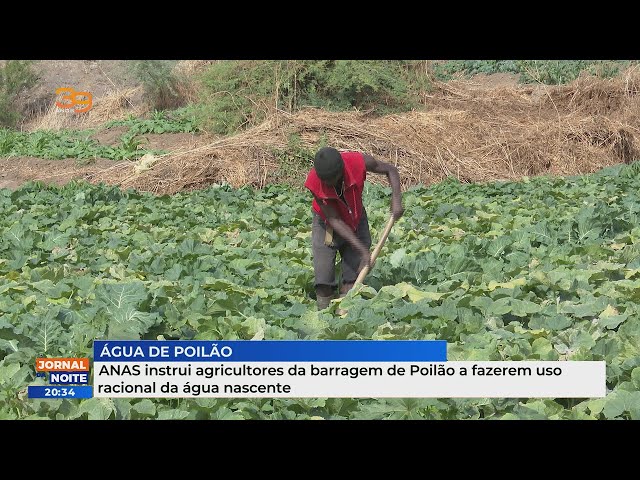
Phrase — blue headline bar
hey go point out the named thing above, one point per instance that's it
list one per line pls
(60, 392)
(270, 351)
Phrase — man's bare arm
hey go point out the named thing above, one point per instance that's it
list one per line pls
(376, 166)
(342, 229)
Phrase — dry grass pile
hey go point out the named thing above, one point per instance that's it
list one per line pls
(116, 105)
(475, 134)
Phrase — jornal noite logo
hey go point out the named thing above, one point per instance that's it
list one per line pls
(68, 378)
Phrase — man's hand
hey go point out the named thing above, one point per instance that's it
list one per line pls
(396, 209)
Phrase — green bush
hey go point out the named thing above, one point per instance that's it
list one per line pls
(227, 93)
(448, 70)
(161, 85)
(346, 84)
(15, 76)
(557, 72)
(549, 72)
(8, 115)
(236, 94)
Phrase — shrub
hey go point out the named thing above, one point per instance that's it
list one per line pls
(236, 94)
(15, 77)
(162, 87)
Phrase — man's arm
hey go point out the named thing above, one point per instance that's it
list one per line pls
(338, 225)
(376, 166)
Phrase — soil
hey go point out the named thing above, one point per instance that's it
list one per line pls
(110, 136)
(150, 141)
(19, 170)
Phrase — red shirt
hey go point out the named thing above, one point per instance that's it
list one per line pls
(355, 173)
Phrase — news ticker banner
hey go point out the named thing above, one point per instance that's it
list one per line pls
(327, 368)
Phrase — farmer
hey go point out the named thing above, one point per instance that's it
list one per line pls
(339, 219)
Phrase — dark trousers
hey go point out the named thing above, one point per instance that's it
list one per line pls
(324, 256)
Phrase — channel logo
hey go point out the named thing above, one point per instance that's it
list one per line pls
(73, 99)
(68, 378)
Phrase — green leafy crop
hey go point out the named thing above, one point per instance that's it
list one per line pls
(54, 145)
(543, 269)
